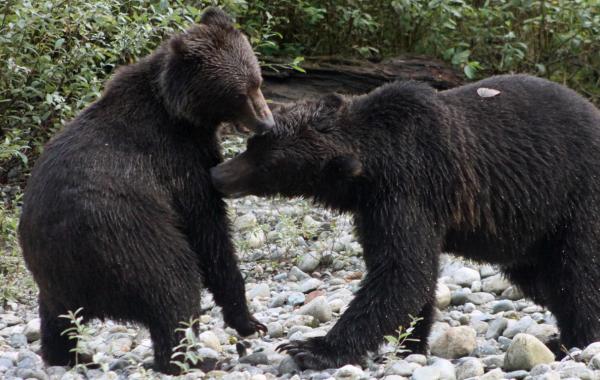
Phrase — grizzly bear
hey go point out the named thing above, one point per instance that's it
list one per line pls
(504, 171)
(120, 217)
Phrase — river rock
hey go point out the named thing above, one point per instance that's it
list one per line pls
(525, 352)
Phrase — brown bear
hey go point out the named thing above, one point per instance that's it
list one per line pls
(504, 171)
(119, 215)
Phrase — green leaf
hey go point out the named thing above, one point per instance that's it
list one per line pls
(58, 43)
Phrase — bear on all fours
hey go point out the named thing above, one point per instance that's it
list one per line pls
(120, 217)
(504, 171)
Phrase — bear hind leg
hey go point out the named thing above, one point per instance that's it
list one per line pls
(57, 347)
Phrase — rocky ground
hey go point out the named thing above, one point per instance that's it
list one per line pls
(303, 265)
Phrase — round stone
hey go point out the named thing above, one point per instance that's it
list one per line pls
(525, 352)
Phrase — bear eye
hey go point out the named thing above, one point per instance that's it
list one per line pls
(324, 127)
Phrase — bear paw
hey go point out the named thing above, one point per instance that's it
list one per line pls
(315, 353)
(247, 326)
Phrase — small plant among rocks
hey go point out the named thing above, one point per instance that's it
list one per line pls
(82, 334)
(402, 336)
(186, 355)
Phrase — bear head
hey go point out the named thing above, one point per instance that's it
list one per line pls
(210, 74)
(309, 152)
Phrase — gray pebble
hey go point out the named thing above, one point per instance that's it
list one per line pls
(349, 372)
(520, 374)
(493, 361)
(309, 285)
(469, 367)
(31, 374)
(402, 368)
(459, 297)
(595, 362)
(504, 342)
(318, 308)
(296, 274)
(590, 351)
(495, 284)
(32, 330)
(255, 358)
(519, 327)
(576, 370)
(296, 298)
(309, 261)
(5, 363)
(417, 358)
(480, 298)
(278, 300)
(287, 365)
(540, 369)
(426, 373)
(503, 305)
(465, 276)
(512, 293)
(496, 328)
(18, 341)
(551, 375)
(275, 329)
(445, 368)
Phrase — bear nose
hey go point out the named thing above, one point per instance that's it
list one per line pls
(265, 124)
(218, 178)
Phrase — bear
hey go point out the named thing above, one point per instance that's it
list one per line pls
(120, 217)
(504, 171)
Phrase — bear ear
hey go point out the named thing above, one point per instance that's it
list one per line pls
(344, 166)
(333, 100)
(215, 16)
(178, 46)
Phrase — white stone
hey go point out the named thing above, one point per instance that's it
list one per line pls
(454, 343)
(442, 296)
(519, 327)
(32, 330)
(525, 352)
(495, 284)
(495, 374)
(309, 261)
(469, 367)
(544, 332)
(210, 340)
(310, 284)
(445, 368)
(349, 372)
(255, 239)
(245, 222)
(465, 276)
(258, 290)
(318, 308)
(426, 373)
(590, 351)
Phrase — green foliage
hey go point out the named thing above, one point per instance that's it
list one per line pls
(58, 54)
(15, 282)
(558, 39)
(403, 336)
(81, 333)
(185, 355)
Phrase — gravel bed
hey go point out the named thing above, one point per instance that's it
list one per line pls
(303, 265)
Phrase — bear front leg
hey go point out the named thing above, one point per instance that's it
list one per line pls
(390, 294)
(402, 263)
(223, 278)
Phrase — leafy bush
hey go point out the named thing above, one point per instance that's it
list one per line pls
(59, 53)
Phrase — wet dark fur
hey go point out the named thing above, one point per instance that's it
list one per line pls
(119, 215)
(512, 180)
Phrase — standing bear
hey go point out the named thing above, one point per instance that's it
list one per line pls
(504, 171)
(120, 217)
